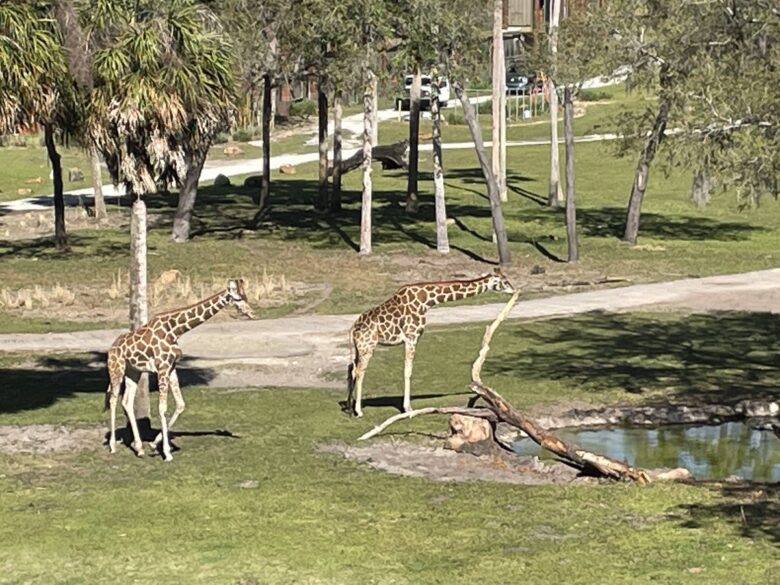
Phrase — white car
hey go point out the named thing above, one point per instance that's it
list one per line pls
(425, 93)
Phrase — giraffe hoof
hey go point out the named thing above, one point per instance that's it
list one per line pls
(358, 414)
(167, 457)
(139, 450)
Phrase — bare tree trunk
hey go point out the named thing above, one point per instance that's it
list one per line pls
(571, 210)
(97, 183)
(365, 211)
(499, 80)
(700, 188)
(60, 235)
(493, 192)
(182, 219)
(442, 239)
(412, 201)
(335, 198)
(265, 181)
(139, 307)
(554, 195)
(643, 169)
(322, 114)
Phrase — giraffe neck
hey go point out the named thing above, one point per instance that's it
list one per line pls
(180, 322)
(444, 292)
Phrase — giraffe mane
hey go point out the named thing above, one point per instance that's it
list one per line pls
(446, 282)
(181, 309)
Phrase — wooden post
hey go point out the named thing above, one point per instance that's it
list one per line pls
(365, 211)
(139, 306)
(498, 82)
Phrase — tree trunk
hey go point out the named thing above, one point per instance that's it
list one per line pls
(493, 191)
(97, 183)
(322, 115)
(499, 79)
(442, 239)
(187, 194)
(60, 236)
(554, 188)
(643, 169)
(335, 198)
(571, 210)
(139, 308)
(265, 180)
(412, 201)
(365, 211)
(700, 188)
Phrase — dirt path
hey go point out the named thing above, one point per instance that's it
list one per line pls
(301, 350)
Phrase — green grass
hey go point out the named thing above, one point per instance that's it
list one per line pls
(316, 518)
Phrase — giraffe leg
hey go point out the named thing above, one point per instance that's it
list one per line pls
(162, 408)
(177, 397)
(360, 371)
(408, 361)
(113, 398)
(128, 403)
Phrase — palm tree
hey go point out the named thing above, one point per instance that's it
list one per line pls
(163, 89)
(35, 88)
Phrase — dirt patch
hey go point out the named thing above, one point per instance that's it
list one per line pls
(439, 464)
(763, 301)
(49, 439)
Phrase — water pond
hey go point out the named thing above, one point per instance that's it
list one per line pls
(708, 452)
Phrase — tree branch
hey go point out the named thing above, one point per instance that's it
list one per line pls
(476, 412)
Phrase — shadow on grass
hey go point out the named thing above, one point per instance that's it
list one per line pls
(81, 244)
(754, 509)
(722, 357)
(49, 379)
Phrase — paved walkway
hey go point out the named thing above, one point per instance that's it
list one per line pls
(297, 351)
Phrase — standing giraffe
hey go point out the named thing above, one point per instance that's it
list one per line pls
(154, 348)
(401, 319)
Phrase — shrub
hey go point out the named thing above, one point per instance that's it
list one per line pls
(593, 95)
(455, 118)
(303, 108)
(245, 134)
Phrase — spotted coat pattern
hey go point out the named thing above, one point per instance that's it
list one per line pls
(401, 319)
(154, 348)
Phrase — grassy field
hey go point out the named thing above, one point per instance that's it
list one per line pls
(676, 240)
(309, 517)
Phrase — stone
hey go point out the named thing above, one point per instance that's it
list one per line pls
(232, 150)
(221, 181)
(253, 181)
(36, 180)
(23, 191)
(426, 136)
(677, 474)
(466, 430)
(287, 169)
(75, 175)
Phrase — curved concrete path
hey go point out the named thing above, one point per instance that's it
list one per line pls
(297, 351)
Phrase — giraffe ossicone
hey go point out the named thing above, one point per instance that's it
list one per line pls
(401, 319)
(153, 348)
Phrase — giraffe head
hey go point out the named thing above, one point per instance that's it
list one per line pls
(497, 281)
(237, 294)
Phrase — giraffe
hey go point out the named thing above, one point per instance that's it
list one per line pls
(154, 348)
(401, 319)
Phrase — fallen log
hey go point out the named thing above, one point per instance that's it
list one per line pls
(392, 156)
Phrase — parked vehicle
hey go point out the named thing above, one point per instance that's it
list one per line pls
(425, 93)
(519, 83)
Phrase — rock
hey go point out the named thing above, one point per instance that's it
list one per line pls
(287, 169)
(253, 181)
(426, 136)
(75, 175)
(466, 430)
(450, 221)
(232, 150)
(537, 269)
(678, 474)
(36, 180)
(221, 181)
(168, 277)
(23, 191)
(249, 484)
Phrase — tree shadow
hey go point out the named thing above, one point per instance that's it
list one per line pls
(753, 508)
(609, 222)
(48, 379)
(81, 245)
(397, 401)
(124, 435)
(722, 357)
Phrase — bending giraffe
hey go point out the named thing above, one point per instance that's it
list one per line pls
(401, 319)
(154, 348)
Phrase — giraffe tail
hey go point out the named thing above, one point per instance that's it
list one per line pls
(107, 400)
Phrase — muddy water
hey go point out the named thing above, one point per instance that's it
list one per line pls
(708, 452)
